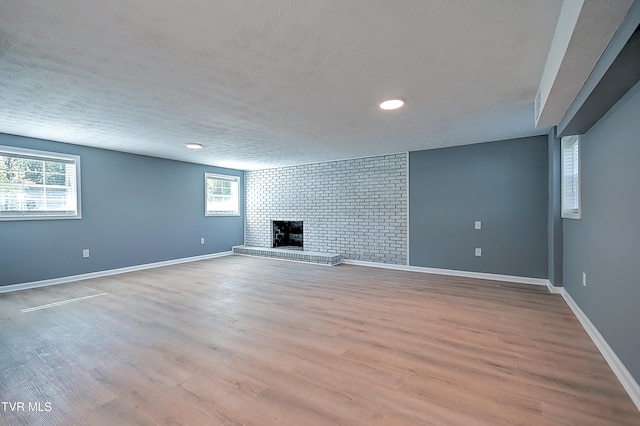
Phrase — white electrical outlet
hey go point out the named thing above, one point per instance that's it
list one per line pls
(584, 279)
(478, 252)
(478, 224)
(201, 240)
(85, 253)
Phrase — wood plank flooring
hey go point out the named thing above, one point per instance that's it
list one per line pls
(254, 341)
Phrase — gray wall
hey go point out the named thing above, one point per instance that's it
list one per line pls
(604, 243)
(135, 210)
(357, 208)
(554, 219)
(503, 184)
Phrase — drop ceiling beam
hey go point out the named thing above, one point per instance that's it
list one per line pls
(583, 31)
(615, 73)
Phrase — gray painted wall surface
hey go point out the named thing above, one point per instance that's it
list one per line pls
(554, 219)
(503, 184)
(135, 210)
(604, 243)
(356, 208)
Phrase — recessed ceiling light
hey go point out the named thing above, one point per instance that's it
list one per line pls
(390, 104)
(195, 146)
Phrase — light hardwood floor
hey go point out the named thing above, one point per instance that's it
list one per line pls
(240, 340)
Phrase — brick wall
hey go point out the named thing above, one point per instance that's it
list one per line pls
(357, 208)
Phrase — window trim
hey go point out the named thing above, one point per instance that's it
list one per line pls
(51, 215)
(218, 176)
(569, 144)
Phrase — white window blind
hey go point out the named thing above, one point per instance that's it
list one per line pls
(571, 177)
(38, 184)
(222, 196)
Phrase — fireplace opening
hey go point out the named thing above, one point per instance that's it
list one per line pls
(288, 234)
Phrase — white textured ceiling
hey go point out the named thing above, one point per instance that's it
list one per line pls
(272, 83)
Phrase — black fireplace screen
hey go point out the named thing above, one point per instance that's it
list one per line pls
(287, 234)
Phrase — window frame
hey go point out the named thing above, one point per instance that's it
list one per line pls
(570, 152)
(229, 178)
(6, 150)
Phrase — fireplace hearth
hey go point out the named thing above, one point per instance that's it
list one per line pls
(288, 234)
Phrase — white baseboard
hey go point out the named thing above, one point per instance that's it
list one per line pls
(626, 379)
(553, 289)
(452, 272)
(98, 274)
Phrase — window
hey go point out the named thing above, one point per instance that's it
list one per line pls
(571, 177)
(222, 195)
(38, 185)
